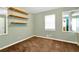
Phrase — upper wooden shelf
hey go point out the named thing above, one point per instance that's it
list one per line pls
(18, 10)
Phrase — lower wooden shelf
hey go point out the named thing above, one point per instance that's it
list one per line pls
(18, 22)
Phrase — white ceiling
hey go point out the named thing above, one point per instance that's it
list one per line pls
(38, 9)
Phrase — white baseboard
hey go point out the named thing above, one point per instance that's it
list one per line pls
(15, 42)
(57, 39)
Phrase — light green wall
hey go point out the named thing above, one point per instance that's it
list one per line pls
(39, 25)
(16, 35)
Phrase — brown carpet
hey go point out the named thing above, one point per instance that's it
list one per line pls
(37, 44)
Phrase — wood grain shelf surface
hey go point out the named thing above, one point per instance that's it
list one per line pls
(18, 16)
(18, 10)
(18, 22)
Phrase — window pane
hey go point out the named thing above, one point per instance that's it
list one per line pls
(50, 22)
(2, 25)
(75, 21)
(77, 25)
(74, 24)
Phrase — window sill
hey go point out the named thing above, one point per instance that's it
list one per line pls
(49, 30)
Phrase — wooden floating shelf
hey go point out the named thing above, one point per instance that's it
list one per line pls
(18, 10)
(18, 16)
(18, 23)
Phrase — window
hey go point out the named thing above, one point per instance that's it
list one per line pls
(66, 23)
(3, 21)
(2, 25)
(71, 21)
(50, 22)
